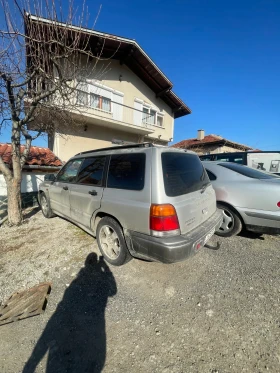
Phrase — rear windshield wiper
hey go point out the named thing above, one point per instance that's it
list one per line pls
(204, 186)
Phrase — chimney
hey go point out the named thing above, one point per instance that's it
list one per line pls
(200, 134)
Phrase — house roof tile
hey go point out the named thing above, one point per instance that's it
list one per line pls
(37, 156)
(207, 140)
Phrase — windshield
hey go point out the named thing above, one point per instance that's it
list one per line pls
(249, 172)
(182, 173)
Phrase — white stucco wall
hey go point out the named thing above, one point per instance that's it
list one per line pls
(30, 183)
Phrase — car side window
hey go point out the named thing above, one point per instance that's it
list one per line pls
(230, 157)
(127, 171)
(69, 172)
(223, 158)
(91, 171)
(238, 160)
(208, 157)
(211, 175)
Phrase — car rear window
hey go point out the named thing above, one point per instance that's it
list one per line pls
(182, 173)
(127, 171)
(249, 172)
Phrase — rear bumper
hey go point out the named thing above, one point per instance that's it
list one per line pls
(172, 249)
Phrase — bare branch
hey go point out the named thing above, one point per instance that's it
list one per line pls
(41, 67)
(3, 121)
(36, 136)
(26, 81)
(98, 14)
(5, 169)
(28, 139)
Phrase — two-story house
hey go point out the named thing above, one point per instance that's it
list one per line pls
(126, 99)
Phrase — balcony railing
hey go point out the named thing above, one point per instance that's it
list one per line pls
(104, 108)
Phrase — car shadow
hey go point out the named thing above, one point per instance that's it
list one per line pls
(75, 336)
(251, 235)
(31, 213)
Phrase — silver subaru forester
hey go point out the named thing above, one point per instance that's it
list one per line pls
(141, 200)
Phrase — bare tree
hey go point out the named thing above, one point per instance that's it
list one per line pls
(42, 65)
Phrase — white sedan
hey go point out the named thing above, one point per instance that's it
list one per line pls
(249, 198)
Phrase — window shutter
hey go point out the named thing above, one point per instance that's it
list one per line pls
(100, 91)
(117, 108)
(138, 114)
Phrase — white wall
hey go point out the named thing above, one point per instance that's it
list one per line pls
(270, 162)
(30, 183)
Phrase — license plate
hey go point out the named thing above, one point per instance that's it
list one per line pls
(208, 236)
(204, 240)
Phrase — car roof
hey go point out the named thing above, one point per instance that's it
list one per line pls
(219, 162)
(130, 148)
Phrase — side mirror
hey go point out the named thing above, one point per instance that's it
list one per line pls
(49, 177)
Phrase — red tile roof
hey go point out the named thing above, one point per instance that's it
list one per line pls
(207, 140)
(37, 156)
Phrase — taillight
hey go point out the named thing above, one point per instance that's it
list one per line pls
(278, 204)
(164, 220)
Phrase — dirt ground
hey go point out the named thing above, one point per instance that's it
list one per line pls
(217, 312)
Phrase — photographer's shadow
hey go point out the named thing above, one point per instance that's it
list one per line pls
(75, 336)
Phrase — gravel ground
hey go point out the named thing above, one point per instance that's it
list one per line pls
(216, 312)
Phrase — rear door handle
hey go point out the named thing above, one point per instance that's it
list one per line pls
(65, 188)
(93, 192)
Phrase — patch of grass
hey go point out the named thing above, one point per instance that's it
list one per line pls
(80, 233)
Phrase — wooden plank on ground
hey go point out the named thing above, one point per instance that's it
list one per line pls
(24, 304)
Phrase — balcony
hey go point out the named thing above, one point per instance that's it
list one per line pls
(94, 104)
(105, 112)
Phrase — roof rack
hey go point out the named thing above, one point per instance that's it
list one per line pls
(142, 145)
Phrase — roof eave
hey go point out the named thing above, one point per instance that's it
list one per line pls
(178, 107)
(101, 34)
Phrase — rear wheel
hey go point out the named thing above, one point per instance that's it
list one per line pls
(45, 206)
(231, 225)
(111, 241)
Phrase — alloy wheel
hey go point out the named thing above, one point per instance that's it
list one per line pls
(228, 222)
(109, 242)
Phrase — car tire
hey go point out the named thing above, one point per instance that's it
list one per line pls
(45, 206)
(111, 242)
(231, 225)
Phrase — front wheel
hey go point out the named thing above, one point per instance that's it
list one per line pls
(111, 241)
(231, 225)
(45, 206)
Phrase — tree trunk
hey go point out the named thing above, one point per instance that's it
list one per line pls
(14, 201)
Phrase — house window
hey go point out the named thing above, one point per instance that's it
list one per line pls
(159, 120)
(100, 102)
(82, 98)
(145, 115)
(151, 116)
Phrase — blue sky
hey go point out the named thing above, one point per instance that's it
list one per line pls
(223, 58)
